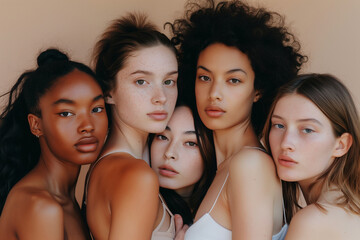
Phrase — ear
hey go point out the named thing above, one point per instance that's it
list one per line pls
(109, 99)
(343, 144)
(35, 124)
(258, 95)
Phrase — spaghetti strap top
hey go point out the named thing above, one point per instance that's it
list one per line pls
(157, 234)
(206, 228)
(168, 234)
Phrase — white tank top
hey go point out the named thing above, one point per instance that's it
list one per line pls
(206, 228)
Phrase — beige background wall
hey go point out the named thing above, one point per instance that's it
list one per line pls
(327, 29)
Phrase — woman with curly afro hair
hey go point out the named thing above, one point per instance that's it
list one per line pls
(233, 58)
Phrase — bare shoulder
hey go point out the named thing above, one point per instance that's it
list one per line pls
(127, 172)
(120, 166)
(38, 203)
(252, 162)
(32, 211)
(309, 223)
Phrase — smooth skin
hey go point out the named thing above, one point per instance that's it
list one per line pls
(72, 130)
(250, 204)
(175, 155)
(123, 200)
(304, 146)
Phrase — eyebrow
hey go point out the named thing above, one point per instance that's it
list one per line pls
(301, 120)
(69, 101)
(150, 73)
(227, 72)
(186, 132)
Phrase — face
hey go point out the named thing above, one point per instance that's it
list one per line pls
(146, 89)
(175, 155)
(301, 139)
(73, 123)
(224, 87)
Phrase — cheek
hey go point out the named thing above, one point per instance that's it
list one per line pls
(194, 166)
(101, 124)
(157, 151)
(200, 92)
(274, 141)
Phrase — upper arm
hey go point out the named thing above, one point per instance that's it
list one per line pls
(309, 223)
(252, 178)
(42, 218)
(134, 205)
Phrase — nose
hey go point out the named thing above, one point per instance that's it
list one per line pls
(159, 96)
(215, 93)
(288, 141)
(170, 152)
(86, 125)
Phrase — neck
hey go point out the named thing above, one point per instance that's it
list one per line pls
(123, 138)
(311, 192)
(230, 141)
(60, 176)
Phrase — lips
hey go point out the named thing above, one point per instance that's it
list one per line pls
(286, 161)
(167, 171)
(87, 144)
(214, 111)
(158, 115)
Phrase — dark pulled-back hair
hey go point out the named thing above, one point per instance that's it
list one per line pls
(19, 148)
(335, 102)
(124, 36)
(273, 51)
(174, 201)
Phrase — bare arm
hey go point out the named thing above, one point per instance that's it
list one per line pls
(252, 179)
(134, 205)
(42, 219)
(310, 223)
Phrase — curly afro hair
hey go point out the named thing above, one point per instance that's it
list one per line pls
(260, 34)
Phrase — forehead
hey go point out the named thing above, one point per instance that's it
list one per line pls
(74, 85)
(151, 59)
(296, 107)
(228, 56)
(182, 118)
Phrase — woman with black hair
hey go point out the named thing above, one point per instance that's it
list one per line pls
(233, 58)
(54, 121)
(183, 157)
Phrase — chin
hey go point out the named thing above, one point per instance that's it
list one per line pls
(158, 128)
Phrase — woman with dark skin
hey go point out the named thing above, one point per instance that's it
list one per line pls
(233, 58)
(54, 122)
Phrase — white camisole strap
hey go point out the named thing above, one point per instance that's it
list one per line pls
(227, 175)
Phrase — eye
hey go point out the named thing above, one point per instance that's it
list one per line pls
(140, 82)
(234, 81)
(65, 114)
(161, 137)
(169, 82)
(98, 109)
(204, 78)
(191, 144)
(278, 125)
(307, 130)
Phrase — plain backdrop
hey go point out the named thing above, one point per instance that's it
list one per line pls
(327, 29)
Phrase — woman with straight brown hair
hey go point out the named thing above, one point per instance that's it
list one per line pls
(139, 68)
(313, 133)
